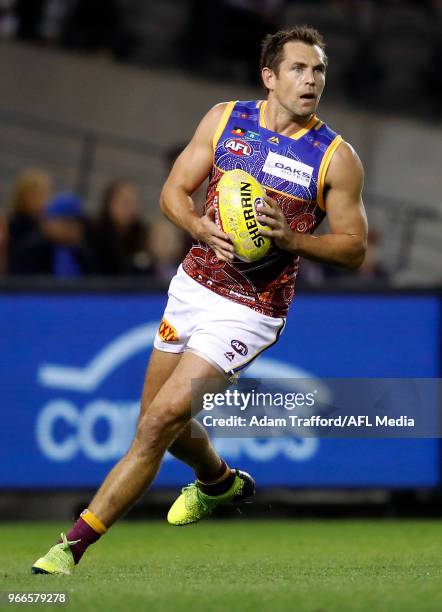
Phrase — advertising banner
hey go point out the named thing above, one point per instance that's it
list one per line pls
(72, 369)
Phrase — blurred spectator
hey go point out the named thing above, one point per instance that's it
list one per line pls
(53, 19)
(119, 234)
(8, 19)
(30, 193)
(166, 249)
(60, 248)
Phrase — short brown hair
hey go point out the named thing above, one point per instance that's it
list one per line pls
(273, 44)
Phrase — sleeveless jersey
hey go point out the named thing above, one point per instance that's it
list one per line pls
(292, 169)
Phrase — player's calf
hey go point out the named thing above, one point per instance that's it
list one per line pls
(136, 470)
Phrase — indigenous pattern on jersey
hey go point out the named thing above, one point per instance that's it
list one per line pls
(292, 170)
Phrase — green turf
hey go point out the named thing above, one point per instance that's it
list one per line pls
(314, 566)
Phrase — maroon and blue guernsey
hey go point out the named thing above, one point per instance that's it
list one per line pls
(292, 169)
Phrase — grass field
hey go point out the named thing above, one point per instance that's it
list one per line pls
(313, 566)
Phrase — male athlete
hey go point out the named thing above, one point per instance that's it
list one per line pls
(223, 312)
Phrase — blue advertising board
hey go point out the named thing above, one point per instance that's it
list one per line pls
(72, 368)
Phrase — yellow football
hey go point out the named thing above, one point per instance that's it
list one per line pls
(235, 206)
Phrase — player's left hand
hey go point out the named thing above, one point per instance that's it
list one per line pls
(279, 230)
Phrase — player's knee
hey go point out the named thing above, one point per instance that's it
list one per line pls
(160, 427)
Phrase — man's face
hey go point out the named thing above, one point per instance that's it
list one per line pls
(300, 80)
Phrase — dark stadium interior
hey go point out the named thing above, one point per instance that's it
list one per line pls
(98, 99)
(383, 60)
(381, 52)
(384, 75)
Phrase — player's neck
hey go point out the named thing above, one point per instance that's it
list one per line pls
(278, 119)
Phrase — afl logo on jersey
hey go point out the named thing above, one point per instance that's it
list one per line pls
(239, 347)
(238, 147)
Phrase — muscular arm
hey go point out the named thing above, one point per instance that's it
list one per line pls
(190, 169)
(347, 242)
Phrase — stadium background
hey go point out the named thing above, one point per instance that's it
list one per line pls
(94, 90)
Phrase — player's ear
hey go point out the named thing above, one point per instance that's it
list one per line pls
(268, 78)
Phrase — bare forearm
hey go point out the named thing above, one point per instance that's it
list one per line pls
(178, 206)
(345, 245)
(341, 249)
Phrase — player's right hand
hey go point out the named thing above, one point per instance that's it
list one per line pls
(208, 232)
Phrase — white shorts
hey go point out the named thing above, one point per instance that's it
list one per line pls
(228, 335)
